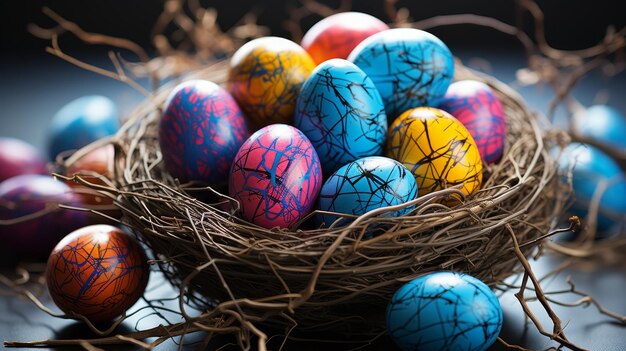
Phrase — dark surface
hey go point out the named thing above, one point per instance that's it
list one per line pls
(34, 86)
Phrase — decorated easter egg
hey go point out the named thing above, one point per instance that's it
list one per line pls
(17, 157)
(444, 311)
(95, 167)
(337, 35)
(276, 177)
(475, 105)
(32, 202)
(81, 122)
(200, 132)
(604, 124)
(437, 149)
(364, 185)
(265, 77)
(342, 114)
(591, 171)
(97, 272)
(410, 67)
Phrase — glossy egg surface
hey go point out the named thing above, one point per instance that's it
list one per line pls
(276, 177)
(33, 202)
(364, 185)
(341, 112)
(265, 77)
(475, 105)
(200, 132)
(98, 272)
(410, 67)
(81, 122)
(337, 35)
(444, 311)
(437, 149)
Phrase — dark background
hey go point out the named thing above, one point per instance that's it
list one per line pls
(570, 24)
(34, 85)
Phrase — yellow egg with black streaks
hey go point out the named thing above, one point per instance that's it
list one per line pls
(265, 78)
(437, 149)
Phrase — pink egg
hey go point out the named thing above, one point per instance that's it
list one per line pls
(18, 157)
(475, 105)
(276, 177)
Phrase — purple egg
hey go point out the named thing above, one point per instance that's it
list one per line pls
(34, 199)
(18, 157)
(200, 132)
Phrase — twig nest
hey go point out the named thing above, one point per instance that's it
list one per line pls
(337, 279)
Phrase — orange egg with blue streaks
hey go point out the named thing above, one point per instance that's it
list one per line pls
(437, 149)
(98, 272)
(265, 78)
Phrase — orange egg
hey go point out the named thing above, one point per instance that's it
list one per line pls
(265, 77)
(93, 167)
(437, 148)
(335, 36)
(98, 272)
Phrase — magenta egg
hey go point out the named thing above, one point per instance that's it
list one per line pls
(31, 203)
(475, 105)
(200, 132)
(18, 157)
(276, 177)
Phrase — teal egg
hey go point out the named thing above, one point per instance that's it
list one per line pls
(364, 185)
(410, 67)
(604, 124)
(341, 112)
(589, 167)
(444, 311)
(81, 122)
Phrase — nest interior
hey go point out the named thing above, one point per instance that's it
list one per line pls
(332, 279)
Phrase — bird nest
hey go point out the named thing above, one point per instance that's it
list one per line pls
(337, 279)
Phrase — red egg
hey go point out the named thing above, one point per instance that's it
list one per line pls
(35, 222)
(475, 105)
(335, 36)
(18, 157)
(98, 272)
(276, 177)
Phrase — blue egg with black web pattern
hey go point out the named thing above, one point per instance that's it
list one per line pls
(410, 67)
(365, 185)
(444, 311)
(341, 112)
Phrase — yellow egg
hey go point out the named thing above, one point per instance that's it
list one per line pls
(265, 78)
(437, 148)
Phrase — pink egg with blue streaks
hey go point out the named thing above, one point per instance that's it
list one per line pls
(475, 105)
(276, 177)
(200, 132)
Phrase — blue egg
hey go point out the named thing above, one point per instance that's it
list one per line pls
(201, 131)
(444, 311)
(81, 122)
(410, 67)
(589, 166)
(603, 123)
(341, 112)
(364, 185)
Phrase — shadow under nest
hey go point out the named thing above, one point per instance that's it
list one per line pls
(334, 280)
